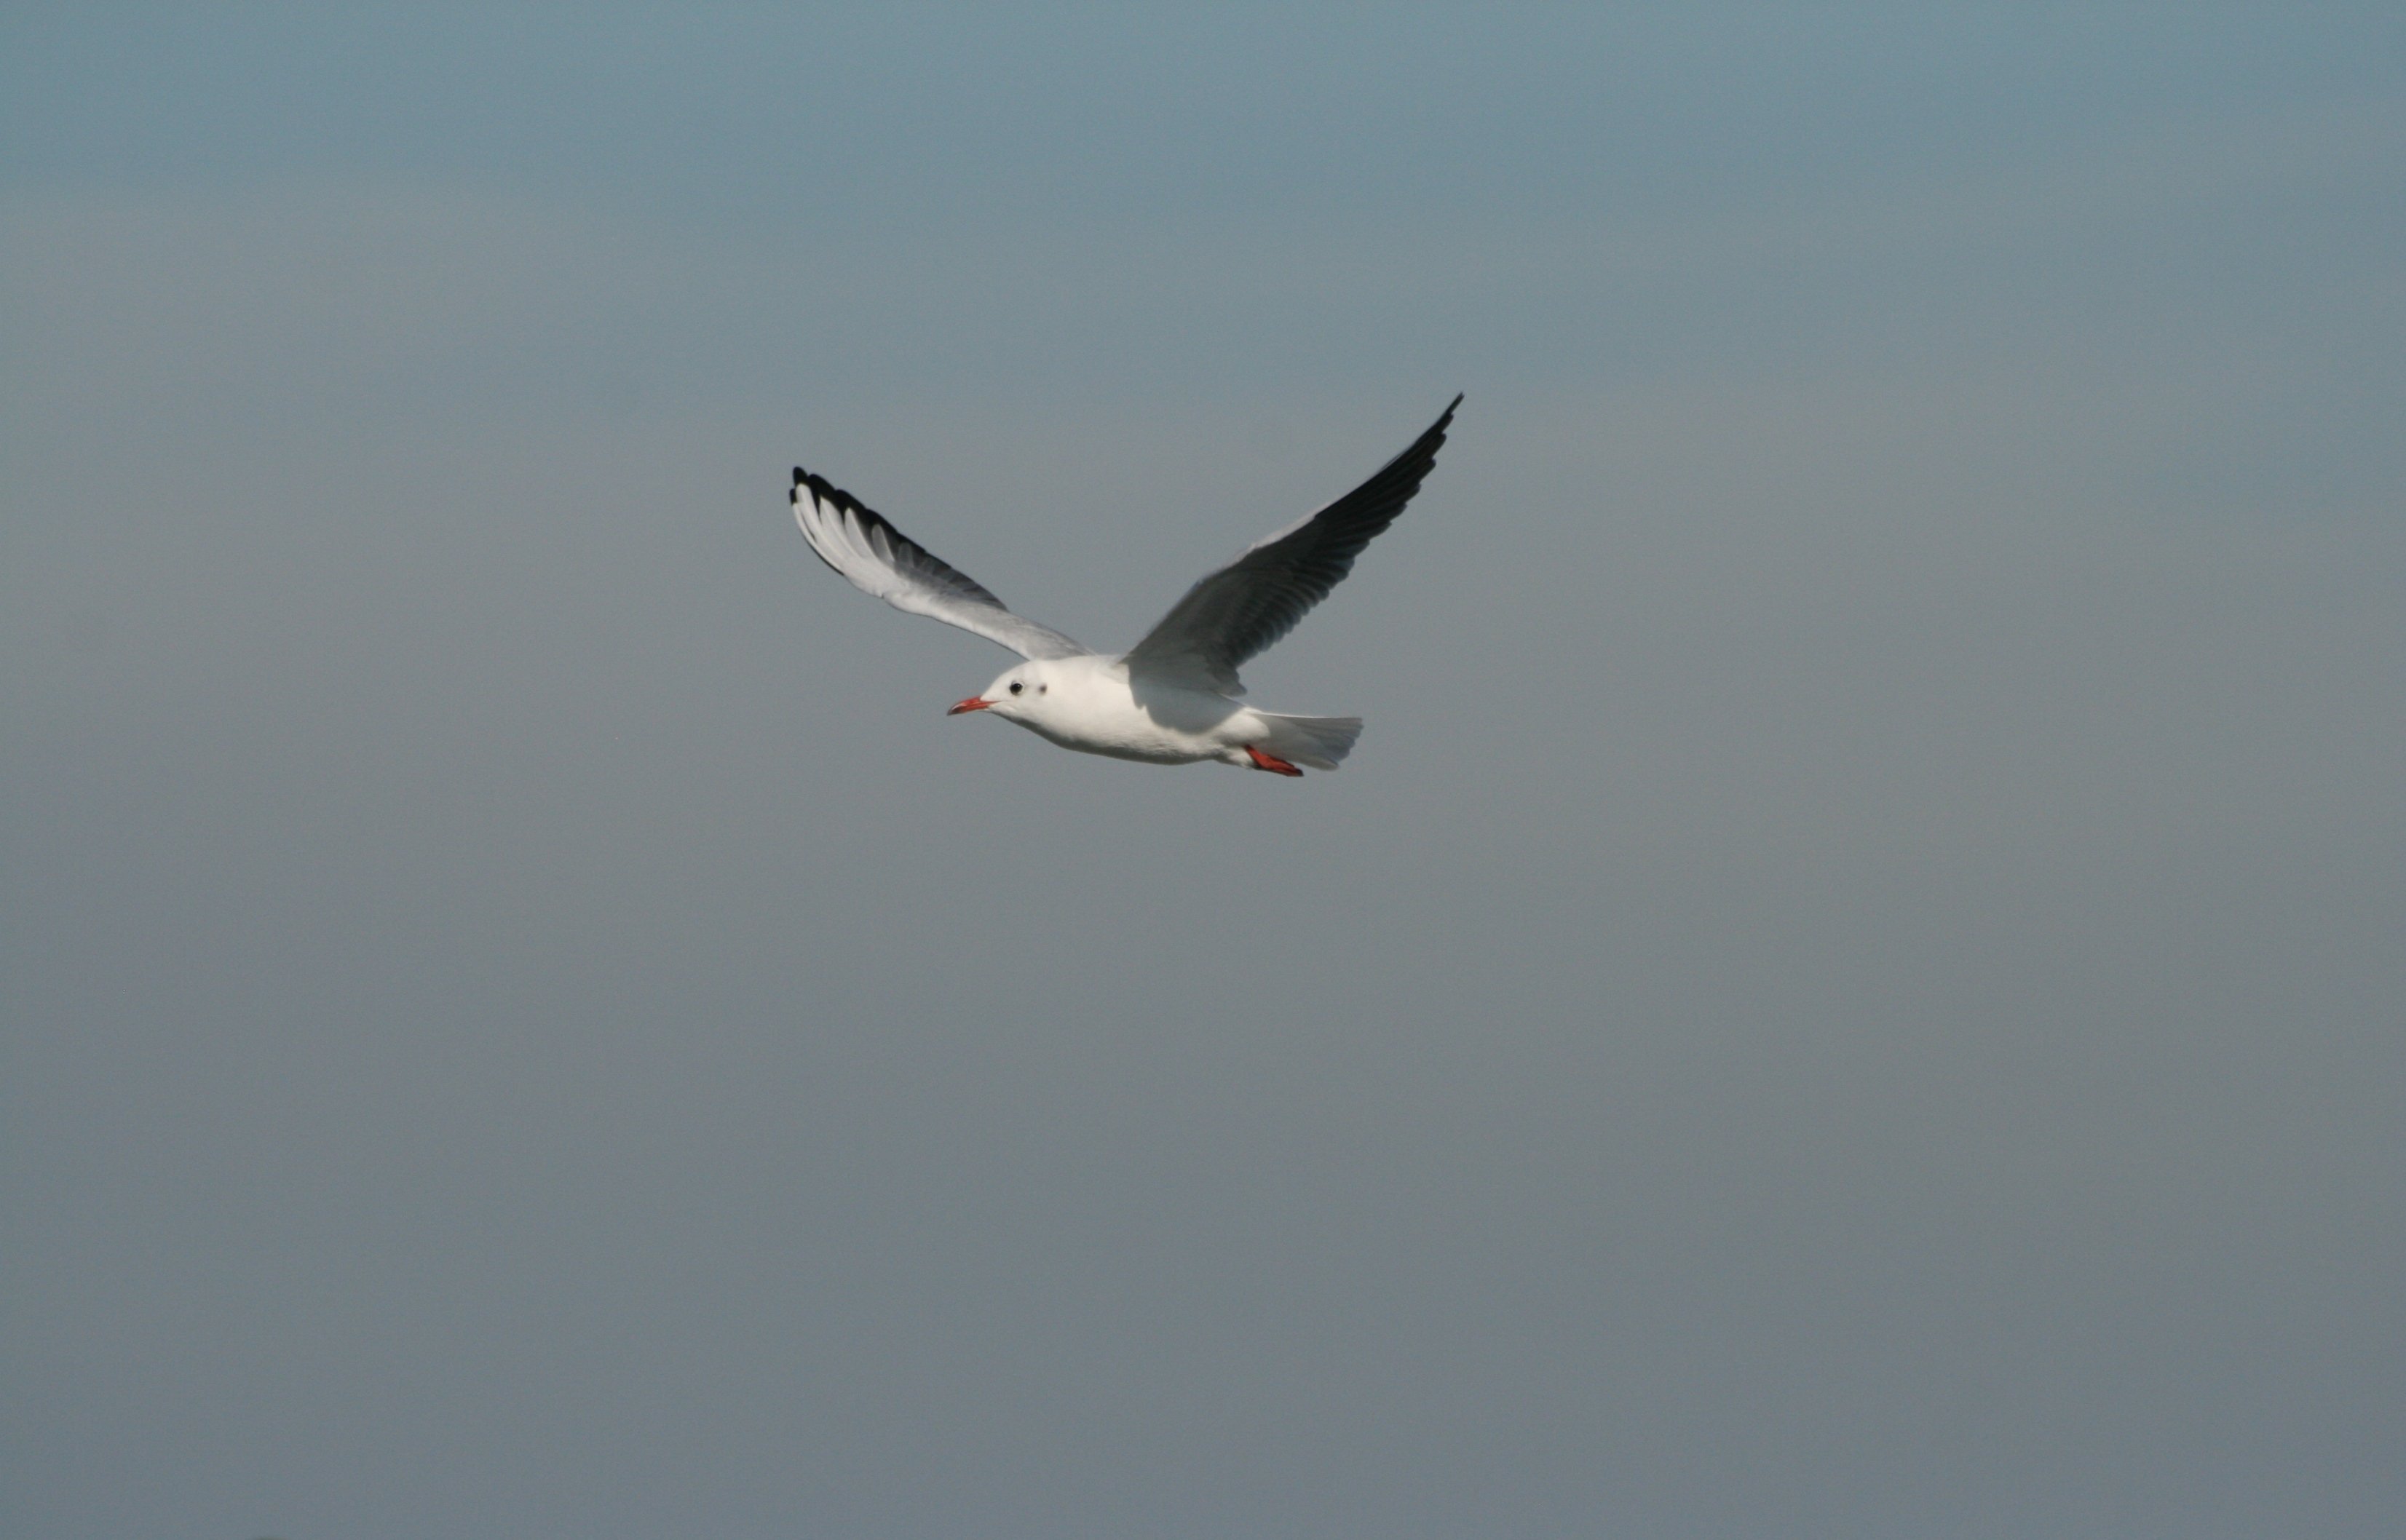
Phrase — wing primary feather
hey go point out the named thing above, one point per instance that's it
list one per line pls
(804, 478)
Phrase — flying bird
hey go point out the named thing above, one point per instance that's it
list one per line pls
(1173, 697)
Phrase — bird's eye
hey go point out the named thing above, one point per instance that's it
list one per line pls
(1016, 687)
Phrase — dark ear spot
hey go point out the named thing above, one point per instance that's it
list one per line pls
(1041, 689)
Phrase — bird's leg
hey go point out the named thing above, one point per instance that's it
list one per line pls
(1270, 762)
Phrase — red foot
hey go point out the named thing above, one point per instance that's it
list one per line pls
(1270, 762)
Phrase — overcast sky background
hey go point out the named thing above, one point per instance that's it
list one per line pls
(1852, 986)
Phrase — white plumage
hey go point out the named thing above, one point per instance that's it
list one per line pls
(1171, 698)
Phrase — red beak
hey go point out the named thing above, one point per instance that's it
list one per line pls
(971, 704)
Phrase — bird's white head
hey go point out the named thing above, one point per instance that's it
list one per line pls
(1019, 694)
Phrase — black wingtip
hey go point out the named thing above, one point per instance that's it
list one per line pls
(824, 490)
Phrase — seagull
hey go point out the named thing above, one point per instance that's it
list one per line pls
(1173, 698)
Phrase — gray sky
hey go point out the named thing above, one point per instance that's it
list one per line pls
(1851, 986)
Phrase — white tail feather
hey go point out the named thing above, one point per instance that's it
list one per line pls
(1319, 741)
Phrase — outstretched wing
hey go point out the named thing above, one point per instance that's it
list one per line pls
(1242, 609)
(881, 561)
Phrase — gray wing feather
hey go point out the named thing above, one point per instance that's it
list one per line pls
(879, 560)
(1245, 606)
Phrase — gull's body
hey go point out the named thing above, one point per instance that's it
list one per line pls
(1097, 705)
(1173, 698)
